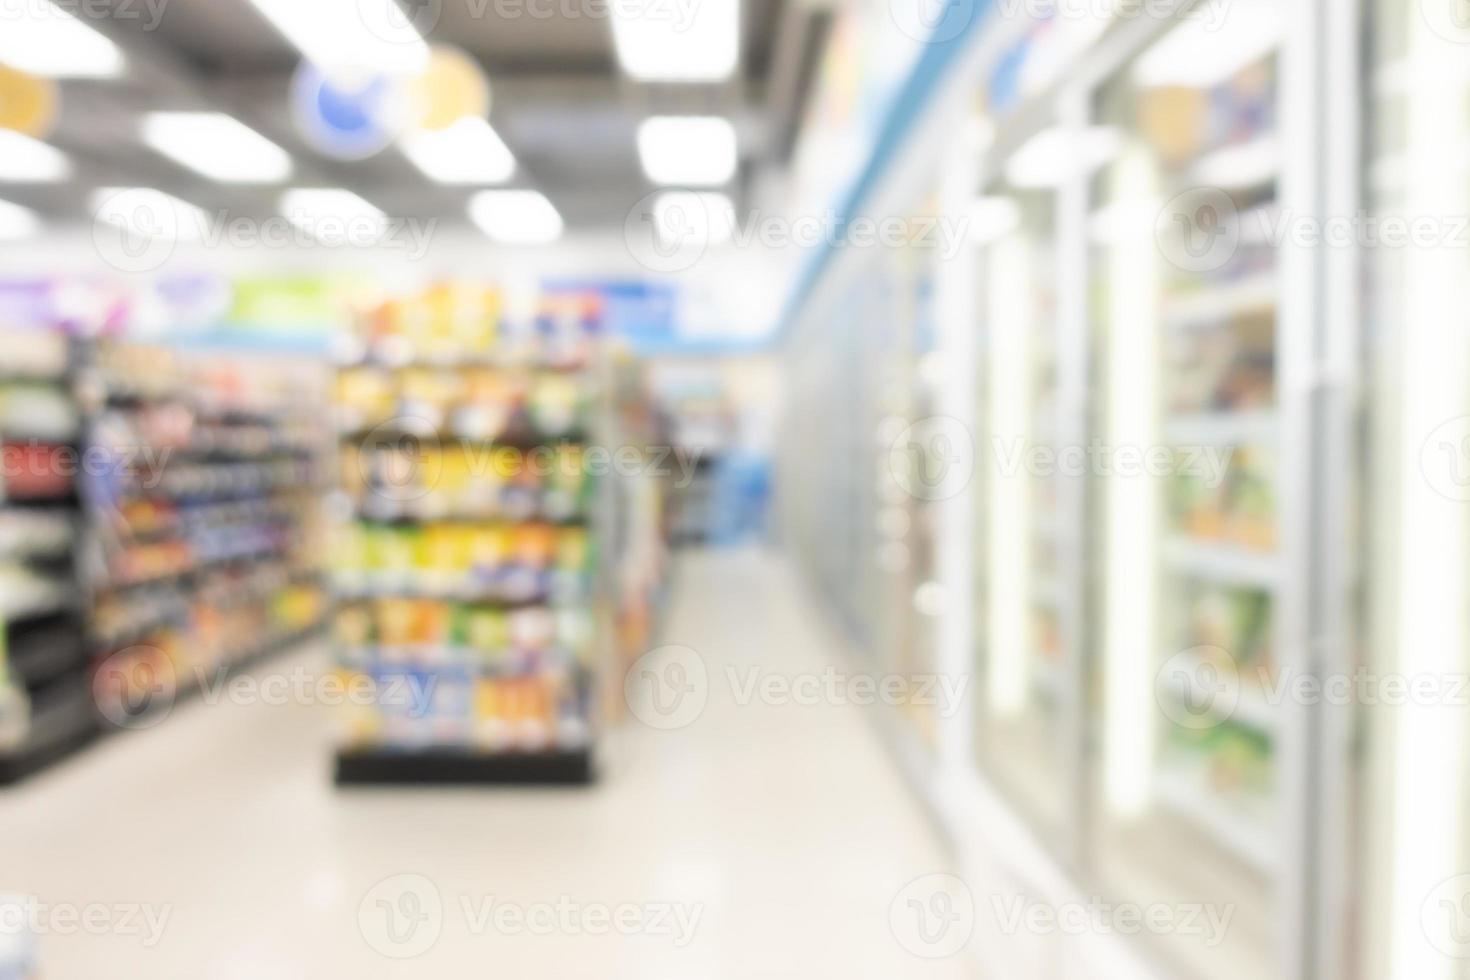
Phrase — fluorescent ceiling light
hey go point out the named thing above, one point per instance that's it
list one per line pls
(659, 42)
(217, 146)
(1240, 165)
(17, 222)
(1053, 155)
(26, 160)
(44, 40)
(149, 213)
(347, 39)
(704, 217)
(695, 151)
(468, 152)
(516, 217)
(1202, 53)
(318, 209)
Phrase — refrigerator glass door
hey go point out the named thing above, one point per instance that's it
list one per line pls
(1187, 792)
(1021, 728)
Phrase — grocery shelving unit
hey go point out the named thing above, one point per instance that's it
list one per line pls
(467, 562)
(203, 523)
(46, 706)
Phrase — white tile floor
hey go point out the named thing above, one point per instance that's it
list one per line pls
(786, 829)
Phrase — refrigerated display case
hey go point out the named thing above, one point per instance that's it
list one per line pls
(1022, 716)
(1202, 354)
(1189, 790)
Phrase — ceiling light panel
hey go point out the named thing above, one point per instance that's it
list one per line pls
(17, 222)
(26, 160)
(149, 213)
(348, 39)
(516, 217)
(317, 209)
(39, 37)
(657, 41)
(468, 152)
(217, 146)
(689, 151)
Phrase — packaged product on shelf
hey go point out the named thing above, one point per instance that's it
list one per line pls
(14, 711)
(1239, 511)
(37, 412)
(36, 354)
(37, 472)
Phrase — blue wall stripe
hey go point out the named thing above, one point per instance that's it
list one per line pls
(908, 105)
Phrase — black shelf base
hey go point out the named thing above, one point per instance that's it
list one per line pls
(21, 765)
(464, 769)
